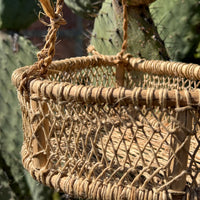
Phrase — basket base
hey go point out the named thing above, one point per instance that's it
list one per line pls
(79, 187)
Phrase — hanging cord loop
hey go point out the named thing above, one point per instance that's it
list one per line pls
(122, 60)
(125, 29)
(45, 56)
(121, 56)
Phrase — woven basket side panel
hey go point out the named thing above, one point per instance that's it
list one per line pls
(121, 145)
(146, 81)
(105, 76)
(95, 76)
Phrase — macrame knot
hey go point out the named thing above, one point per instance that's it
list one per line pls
(123, 59)
(45, 56)
(43, 61)
(57, 21)
(91, 49)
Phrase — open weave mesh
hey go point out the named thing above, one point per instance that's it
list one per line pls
(112, 149)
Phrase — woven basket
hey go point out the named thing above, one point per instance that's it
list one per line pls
(93, 130)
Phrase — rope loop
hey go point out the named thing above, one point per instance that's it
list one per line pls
(45, 56)
(122, 58)
(57, 21)
(125, 28)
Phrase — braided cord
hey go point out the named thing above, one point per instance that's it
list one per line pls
(45, 56)
(125, 28)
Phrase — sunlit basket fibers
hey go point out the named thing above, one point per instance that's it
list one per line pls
(93, 130)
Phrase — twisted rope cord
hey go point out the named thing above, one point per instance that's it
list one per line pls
(45, 56)
(121, 56)
(125, 28)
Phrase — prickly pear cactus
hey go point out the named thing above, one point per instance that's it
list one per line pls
(143, 39)
(17, 14)
(14, 181)
(178, 24)
(6, 191)
(86, 8)
(197, 53)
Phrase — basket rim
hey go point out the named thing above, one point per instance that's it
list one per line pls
(137, 96)
(155, 67)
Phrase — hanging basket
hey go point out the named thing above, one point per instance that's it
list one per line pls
(93, 130)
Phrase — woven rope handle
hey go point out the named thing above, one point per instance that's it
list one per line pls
(120, 55)
(125, 28)
(45, 56)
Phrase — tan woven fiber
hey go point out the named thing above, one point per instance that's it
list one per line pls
(45, 56)
(93, 130)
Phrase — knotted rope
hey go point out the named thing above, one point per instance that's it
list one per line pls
(45, 56)
(121, 57)
(125, 29)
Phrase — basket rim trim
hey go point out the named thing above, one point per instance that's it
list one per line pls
(124, 96)
(100, 95)
(155, 67)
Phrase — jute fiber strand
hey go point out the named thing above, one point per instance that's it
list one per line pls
(94, 130)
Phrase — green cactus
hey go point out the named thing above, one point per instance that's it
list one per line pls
(17, 14)
(17, 184)
(6, 191)
(85, 8)
(178, 24)
(143, 39)
(197, 53)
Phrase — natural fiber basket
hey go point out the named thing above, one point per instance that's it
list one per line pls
(94, 130)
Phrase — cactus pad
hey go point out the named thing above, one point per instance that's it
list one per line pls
(86, 8)
(17, 14)
(143, 39)
(14, 52)
(178, 23)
